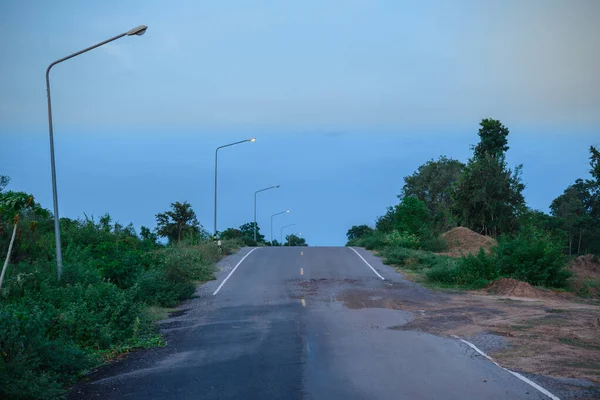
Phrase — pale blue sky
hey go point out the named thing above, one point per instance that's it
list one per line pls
(345, 98)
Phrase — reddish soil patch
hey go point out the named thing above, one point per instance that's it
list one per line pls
(463, 241)
(514, 288)
(586, 275)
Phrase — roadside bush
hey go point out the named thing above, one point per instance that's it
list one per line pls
(32, 366)
(407, 257)
(371, 241)
(444, 271)
(434, 243)
(402, 239)
(532, 257)
(477, 270)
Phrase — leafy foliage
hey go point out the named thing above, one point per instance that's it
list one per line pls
(358, 231)
(432, 183)
(180, 220)
(294, 240)
(53, 331)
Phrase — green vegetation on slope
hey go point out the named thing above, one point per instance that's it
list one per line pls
(52, 331)
(485, 195)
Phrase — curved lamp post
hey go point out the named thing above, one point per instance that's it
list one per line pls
(216, 166)
(281, 234)
(255, 193)
(279, 213)
(140, 30)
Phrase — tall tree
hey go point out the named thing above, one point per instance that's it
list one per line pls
(180, 220)
(578, 210)
(358, 231)
(492, 139)
(147, 235)
(247, 231)
(488, 195)
(4, 180)
(573, 213)
(294, 240)
(432, 183)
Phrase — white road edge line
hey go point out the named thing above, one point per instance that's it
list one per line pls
(232, 271)
(373, 269)
(521, 377)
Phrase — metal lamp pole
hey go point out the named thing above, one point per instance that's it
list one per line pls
(216, 166)
(283, 212)
(140, 30)
(255, 193)
(281, 234)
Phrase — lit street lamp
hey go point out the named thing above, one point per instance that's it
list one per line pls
(255, 193)
(283, 212)
(140, 30)
(281, 234)
(216, 166)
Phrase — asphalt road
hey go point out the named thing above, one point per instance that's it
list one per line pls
(303, 323)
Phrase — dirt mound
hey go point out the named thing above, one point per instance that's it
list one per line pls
(462, 241)
(586, 275)
(514, 288)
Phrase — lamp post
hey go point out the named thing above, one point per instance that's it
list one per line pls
(279, 213)
(255, 193)
(140, 30)
(216, 167)
(281, 234)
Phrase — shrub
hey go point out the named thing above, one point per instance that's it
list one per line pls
(414, 259)
(477, 270)
(372, 241)
(32, 366)
(402, 239)
(532, 257)
(434, 243)
(444, 271)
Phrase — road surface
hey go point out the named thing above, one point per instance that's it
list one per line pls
(303, 323)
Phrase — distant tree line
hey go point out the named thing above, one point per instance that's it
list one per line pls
(486, 196)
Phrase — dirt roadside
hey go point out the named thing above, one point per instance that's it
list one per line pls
(550, 335)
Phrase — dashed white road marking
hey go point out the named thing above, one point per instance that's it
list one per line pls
(301, 253)
(521, 377)
(301, 271)
(373, 269)
(303, 302)
(233, 270)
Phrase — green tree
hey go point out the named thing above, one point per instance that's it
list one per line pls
(294, 240)
(147, 235)
(432, 183)
(358, 231)
(575, 212)
(247, 231)
(488, 195)
(411, 216)
(493, 139)
(12, 205)
(180, 220)
(231, 233)
(4, 180)
(385, 223)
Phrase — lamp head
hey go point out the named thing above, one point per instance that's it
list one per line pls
(140, 30)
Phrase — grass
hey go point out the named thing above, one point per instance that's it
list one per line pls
(579, 343)
(555, 310)
(521, 327)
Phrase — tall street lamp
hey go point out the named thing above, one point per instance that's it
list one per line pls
(140, 30)
(216, 166)
(279, 213)
(255, 193)
(281, 234)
